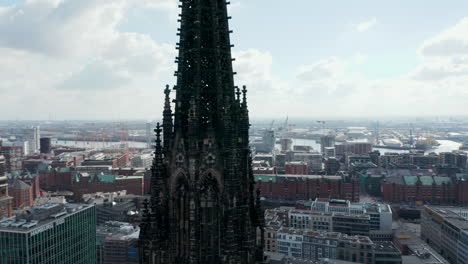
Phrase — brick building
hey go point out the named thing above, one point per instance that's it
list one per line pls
(84, 183)
(32, 179)
(116, 160)
(68, 159)
(91, 179)
(308, 187)
(296, 168)
(22, 193)
(425, 189)
(354, 148)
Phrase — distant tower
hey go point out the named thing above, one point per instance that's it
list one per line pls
(46, 145)
(327, 141)
(203, 206)
(149, 135)
(269, 141)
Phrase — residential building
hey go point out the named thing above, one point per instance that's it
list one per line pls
(13, 157)
(313, 161)
(308, 187)
(52, 233)
(354, 148)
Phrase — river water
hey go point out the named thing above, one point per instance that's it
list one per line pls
(98, 145)
(445, 145)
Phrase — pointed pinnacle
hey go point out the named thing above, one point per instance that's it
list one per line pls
(244, 92)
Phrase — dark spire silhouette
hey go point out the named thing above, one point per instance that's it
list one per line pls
(203, 206)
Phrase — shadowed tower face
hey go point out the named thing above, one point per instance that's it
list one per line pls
(203, 208)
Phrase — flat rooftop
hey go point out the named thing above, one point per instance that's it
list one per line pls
(118, 231)
(386, 247)
(40, 217)
(452, 215)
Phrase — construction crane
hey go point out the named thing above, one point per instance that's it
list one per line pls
(285, 125)
(272, 123)
(323, 124)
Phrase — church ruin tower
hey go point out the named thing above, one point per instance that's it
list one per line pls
(203, 207)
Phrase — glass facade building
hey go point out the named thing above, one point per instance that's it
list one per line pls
(50, 234)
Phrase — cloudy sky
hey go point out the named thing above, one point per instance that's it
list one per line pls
(110, 59)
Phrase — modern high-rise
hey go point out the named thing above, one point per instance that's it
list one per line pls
(327, 141)
(32, 136)
(45, 145)
(52, 233)
(5, 199)
(203, 206)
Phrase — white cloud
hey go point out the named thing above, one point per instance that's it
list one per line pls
(365, 26)
(68, 57)
(359, 58)
(254, 69)
(451, 42)
(325, 69)
(330, 88)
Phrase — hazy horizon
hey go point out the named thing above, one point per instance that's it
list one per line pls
(111, 59)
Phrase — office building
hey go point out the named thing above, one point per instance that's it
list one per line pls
(445, 229)
(380, 215)
(52, 233)
(117, 243)
(310, 245)
(5, 199)
(142, 160)
(329, 152)
(313, 160)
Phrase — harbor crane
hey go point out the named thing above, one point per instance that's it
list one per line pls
(323, 124)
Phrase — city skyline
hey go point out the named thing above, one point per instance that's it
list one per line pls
(104, 60)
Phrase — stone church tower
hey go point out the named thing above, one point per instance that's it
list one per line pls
(203, 206)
